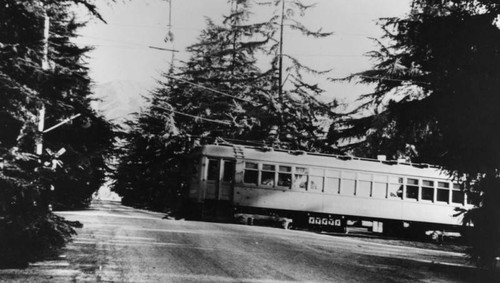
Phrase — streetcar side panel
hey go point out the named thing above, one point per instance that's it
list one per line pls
(313, 185)
(281, 181)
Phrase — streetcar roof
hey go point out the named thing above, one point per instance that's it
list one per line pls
(300, 158)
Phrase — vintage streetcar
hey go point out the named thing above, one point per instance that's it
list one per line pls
(321, 191)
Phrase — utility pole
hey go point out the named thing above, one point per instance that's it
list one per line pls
(41, 111)
(280, 66)
(41, 124)
(46, 27)
(280, 72)
(170, 35)
(45, 66)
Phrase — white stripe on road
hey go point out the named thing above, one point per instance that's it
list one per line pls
(140, 244)
(182, 231)
(214, 278)
(89, 214)
(51, 263)
(112, 236)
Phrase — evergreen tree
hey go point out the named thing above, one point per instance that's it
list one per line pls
(43, 70)
(435, 101)
(297, 109)
(221, 81)
(149, 173)
(224, 60)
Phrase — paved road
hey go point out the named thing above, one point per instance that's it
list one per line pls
(121, 244)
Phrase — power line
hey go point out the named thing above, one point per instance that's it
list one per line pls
(162, 26)
(326, 55)
(163, 49)
(112, 40)
(395, 80)
(174, 50)
(210, 89)
(125, 44)
(201, 118)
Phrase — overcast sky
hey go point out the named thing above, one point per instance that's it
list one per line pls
(122, 46)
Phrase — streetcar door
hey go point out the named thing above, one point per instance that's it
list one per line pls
(220, 175)
(227, 179)
(212, 183)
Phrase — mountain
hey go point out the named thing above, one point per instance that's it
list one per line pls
(118, 100)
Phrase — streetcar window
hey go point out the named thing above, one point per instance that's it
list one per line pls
(347, 187)
(427, 193)
(300, 179)
(251, 174)
(251, 177)
(250, 165)
(267, 167)
(285, 168)
(285, 176)
(428, 190)
(228, 173)
(379, 190)
(457, 194)
(213, 170)
(412, 189)
(412, 181)
(427, 183)
(443, 195)
(268, 175)
(300, 182)
(301, 170)
(364, 188)
(443, 184)
(411, 192)
(332, 185)
(316, 183)
(395, 191)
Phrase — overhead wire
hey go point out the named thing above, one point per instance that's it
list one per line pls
(202, 118)
(139, 45)
(148, 46)
(395, 80)
(161, 26)
(211, 89)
